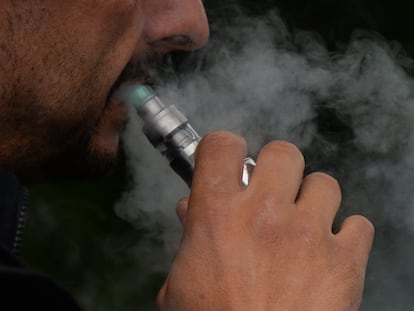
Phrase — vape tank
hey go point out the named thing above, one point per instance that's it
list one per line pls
(169, 131)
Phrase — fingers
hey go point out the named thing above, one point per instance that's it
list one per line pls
(319, 198)
(181, 209)
(219, 163)
(357, 233)
(217, 176)
(279, 171)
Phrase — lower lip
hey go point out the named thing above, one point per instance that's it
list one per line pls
(118, 114)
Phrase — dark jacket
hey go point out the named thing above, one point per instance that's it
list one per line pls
(20, 287)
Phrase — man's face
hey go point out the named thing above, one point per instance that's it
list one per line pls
(60, 62)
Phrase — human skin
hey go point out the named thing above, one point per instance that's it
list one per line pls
(60, 62)
(252, 249)
(269, 246)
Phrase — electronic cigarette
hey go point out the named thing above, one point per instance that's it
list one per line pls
(169, 131)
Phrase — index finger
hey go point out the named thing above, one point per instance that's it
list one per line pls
(219, 163)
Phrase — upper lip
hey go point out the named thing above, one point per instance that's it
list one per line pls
(143, 70)
(143, 78)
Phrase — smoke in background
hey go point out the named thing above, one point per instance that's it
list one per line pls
(350, 110)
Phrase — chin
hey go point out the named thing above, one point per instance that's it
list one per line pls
(90, 167)
(98, 155)
(99, 160)
(91, 152)
(84, 162)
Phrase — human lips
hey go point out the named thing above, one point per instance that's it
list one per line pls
(116, 111)
(137, 71)
(114, 94)
(105, 136)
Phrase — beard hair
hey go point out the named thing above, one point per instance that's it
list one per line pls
(154, 68)
(79, 162)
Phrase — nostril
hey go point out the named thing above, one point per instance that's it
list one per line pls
(180, 25)
(179, 40)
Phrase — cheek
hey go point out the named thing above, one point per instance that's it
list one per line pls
(111, 33)
(112, 40)
(83, 57)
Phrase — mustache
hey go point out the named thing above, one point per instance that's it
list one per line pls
(153, 69)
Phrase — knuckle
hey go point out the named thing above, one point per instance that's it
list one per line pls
(213, 215)
(160, 299)
(182, 202)
(309, 228)
(267, 232)
(286, 150)
(327, 181)
(222, 138)
(364, 225)
(268, 224)
(181, 206)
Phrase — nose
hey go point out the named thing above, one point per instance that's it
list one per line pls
(175, 24)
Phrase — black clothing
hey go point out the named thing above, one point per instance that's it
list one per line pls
(13, 205)
(20, 287)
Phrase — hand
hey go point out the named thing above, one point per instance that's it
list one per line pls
(269, 246)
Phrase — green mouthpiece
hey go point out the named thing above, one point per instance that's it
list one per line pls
(138, 95)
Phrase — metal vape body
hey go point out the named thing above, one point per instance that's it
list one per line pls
(169, 131)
